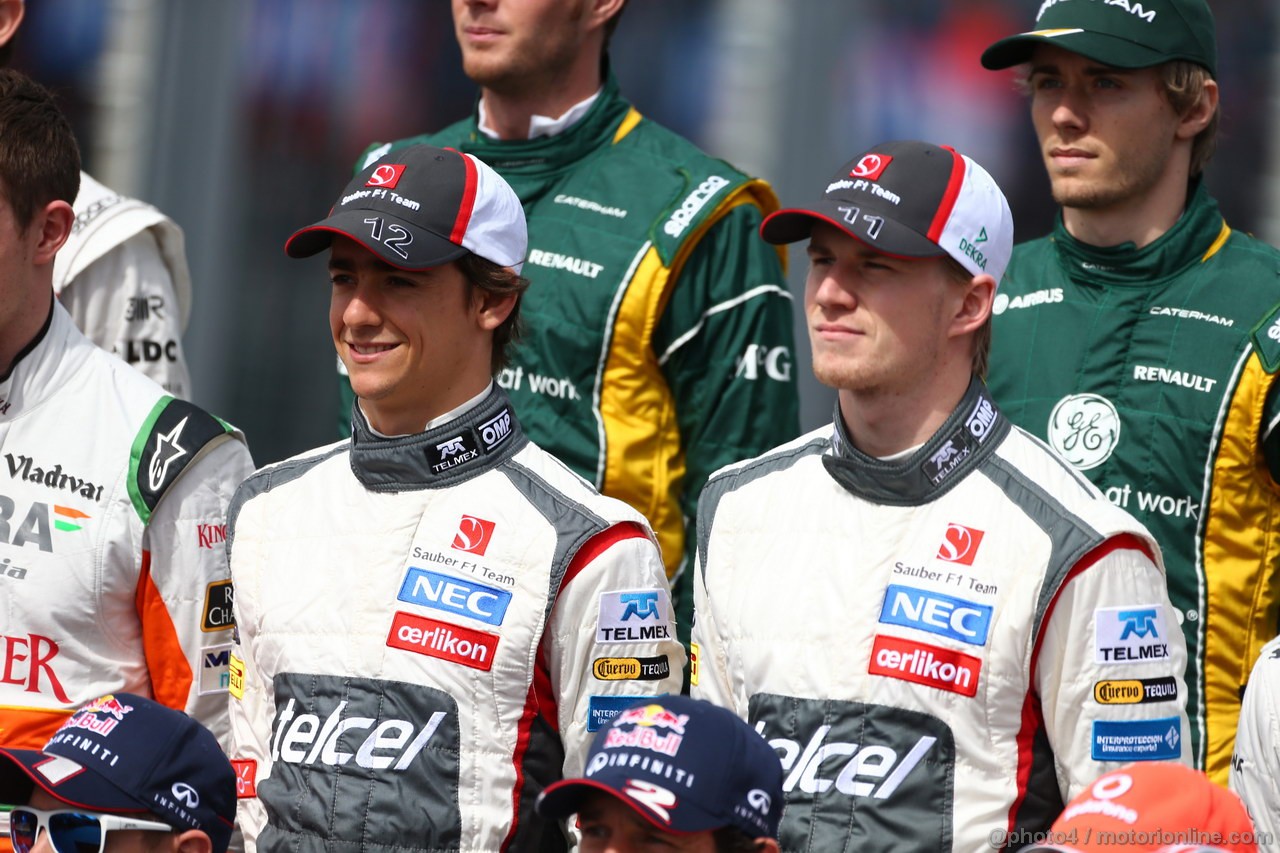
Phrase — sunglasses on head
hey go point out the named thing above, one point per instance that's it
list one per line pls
(71, 831)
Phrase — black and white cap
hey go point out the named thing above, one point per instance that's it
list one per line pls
(420, 207)
(913, 200)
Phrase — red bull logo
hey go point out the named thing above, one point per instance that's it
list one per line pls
(643, 738)
(107, 705)
(110, 709)
(653, 716)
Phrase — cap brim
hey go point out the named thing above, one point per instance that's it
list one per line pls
(423, 250)
(83, 788)
(564, 798)
(793, 224)
(1107, 49)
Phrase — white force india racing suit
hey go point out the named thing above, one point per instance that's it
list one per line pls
(122, 276)
(1255, 765)
(941, 648)
(431, 627)
(113, 571)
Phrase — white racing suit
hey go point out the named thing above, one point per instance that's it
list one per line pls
(122, 276)
(1255, 765)
(431, 628)
(942, 648)
(113, 570)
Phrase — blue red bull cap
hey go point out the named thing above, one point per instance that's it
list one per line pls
(682, 764)
(125, 754)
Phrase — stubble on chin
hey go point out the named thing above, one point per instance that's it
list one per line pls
(1080, 196)
(841, 375)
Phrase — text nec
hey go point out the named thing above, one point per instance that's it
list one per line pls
(938, 614)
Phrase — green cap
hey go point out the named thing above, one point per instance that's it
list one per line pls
(1120, 33)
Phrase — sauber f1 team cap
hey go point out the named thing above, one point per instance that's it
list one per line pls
(1119, 34)
(913, 200)
(125, 754)
(1152, 805)
(682, 764)
(420, 207)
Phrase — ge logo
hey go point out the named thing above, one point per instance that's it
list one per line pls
(185, 794)
(870, 166)
(387, 175)
(1084, 429)
(1274, 331)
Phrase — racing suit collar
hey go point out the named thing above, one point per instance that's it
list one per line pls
(43, 366)
(594, 131)
(1182, 246)
(481, 438)
(969, 434)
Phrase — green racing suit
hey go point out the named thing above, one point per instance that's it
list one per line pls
(1153, 371)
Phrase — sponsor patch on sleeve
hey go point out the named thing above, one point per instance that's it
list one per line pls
(235, 676)
(1135, 691)
(1137, 740)
(218, 614)
(632, 669)
(246, 777)
(634, 616)
(1132, 634)
(215, 669)
(602, 709)
(695, 652)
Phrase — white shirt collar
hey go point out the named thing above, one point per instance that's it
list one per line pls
(542, 125)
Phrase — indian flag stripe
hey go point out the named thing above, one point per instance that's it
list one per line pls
(70, 512)
(65, 525)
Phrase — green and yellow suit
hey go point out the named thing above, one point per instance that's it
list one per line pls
(1153, 371)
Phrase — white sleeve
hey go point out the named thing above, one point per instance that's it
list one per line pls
(125, 302)
(252, 704)
(184, 597)
(1255, 765)
(712, 676)
(599, 658)
(1109, 670)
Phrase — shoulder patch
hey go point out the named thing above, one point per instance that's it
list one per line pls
(701, 195)
(1266, 341)
(170, 439)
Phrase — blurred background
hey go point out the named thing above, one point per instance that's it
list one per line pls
(241, 119)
